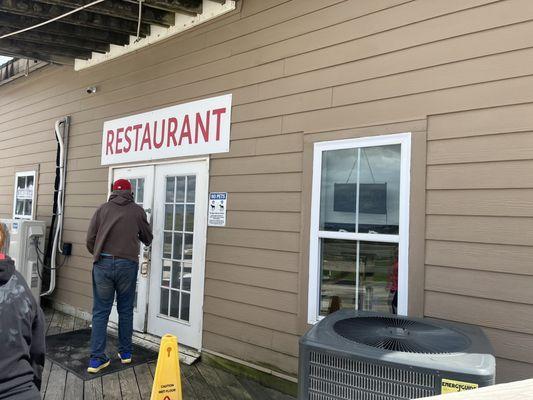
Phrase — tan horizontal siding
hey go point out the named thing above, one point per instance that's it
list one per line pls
(480, 256)
(489, 202)
(476, 283)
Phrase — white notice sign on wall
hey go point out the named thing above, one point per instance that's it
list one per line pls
(196, 128)
(217, 209)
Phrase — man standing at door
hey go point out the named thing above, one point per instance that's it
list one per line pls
(113, 238)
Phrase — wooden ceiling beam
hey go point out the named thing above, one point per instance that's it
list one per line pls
(32, 8)
(97, 35)
(42, 52)
(178, 6)
(121, 9)
(47, 38)
(46, 49)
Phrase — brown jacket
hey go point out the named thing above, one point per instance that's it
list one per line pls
(117, 227)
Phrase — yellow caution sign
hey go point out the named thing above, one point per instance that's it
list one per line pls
(450, 386)
(167, 379)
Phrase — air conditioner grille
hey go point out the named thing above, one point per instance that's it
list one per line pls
(332, 377)
(401, 334)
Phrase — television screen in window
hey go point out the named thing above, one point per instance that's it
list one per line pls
(372, 198)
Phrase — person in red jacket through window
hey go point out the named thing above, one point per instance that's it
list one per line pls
(392, 285)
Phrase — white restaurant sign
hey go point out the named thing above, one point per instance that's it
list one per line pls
(199, 127)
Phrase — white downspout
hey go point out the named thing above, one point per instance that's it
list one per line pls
(60, 190)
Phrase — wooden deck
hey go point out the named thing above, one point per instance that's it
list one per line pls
(199, 382)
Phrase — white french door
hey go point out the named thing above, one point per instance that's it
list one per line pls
(170, 288)
(178, 251)
(142, 182)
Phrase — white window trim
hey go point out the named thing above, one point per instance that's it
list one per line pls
(26, 174)
(404, 139)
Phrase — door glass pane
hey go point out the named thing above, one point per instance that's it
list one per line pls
(176, 274)
(191, 189)
(165, 278)
(167, 245)
(337, 191)
(133, 183)
(180, 189)
(164, 302)
(185, 303)
(187, 248)
(379, 189)
(175, 304)
(178, 223)
(178, 240)
(178, 246)
(168, 217)
(139, 193)
(186, 276)
(189, 218)
(169, 197)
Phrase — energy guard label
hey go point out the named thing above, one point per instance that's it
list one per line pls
(451, 386)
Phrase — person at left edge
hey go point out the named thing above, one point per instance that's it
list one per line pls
(22, 332)
(113, 238)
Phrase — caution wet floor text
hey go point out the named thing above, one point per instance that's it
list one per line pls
(167, 379)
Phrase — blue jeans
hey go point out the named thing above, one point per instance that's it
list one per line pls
(110, 276)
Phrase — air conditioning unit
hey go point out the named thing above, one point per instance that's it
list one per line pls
(371, 356)
(22, 250)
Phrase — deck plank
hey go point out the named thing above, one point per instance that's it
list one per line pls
(128, 384)
(145, 380)
(260, 392)
(234, 387)
(45, 376)
(93, 390)
(74, 387)
(56, 383)
(55, 324)
(111, 387)
(212, 379)
(200, 386)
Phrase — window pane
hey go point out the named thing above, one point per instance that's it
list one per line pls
(29, 181)
(379, 189)
(378, 277)
(140, 191)
(337, 289)
(377, 282)
(21, 182)
(337, 193)
(19, 209)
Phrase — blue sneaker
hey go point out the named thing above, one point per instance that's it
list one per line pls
(125, 358)
(96, 365)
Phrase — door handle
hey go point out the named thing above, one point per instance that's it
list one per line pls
(146, 261)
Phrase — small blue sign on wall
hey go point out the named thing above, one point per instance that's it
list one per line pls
(217, 209)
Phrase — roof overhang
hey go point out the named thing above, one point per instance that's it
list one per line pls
(98, 33)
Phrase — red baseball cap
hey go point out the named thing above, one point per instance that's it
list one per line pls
(122, 184)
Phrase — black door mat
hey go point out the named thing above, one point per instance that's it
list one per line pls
(72, 350)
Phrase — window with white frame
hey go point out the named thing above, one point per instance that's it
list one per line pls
(24, 197)
(359, 225)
